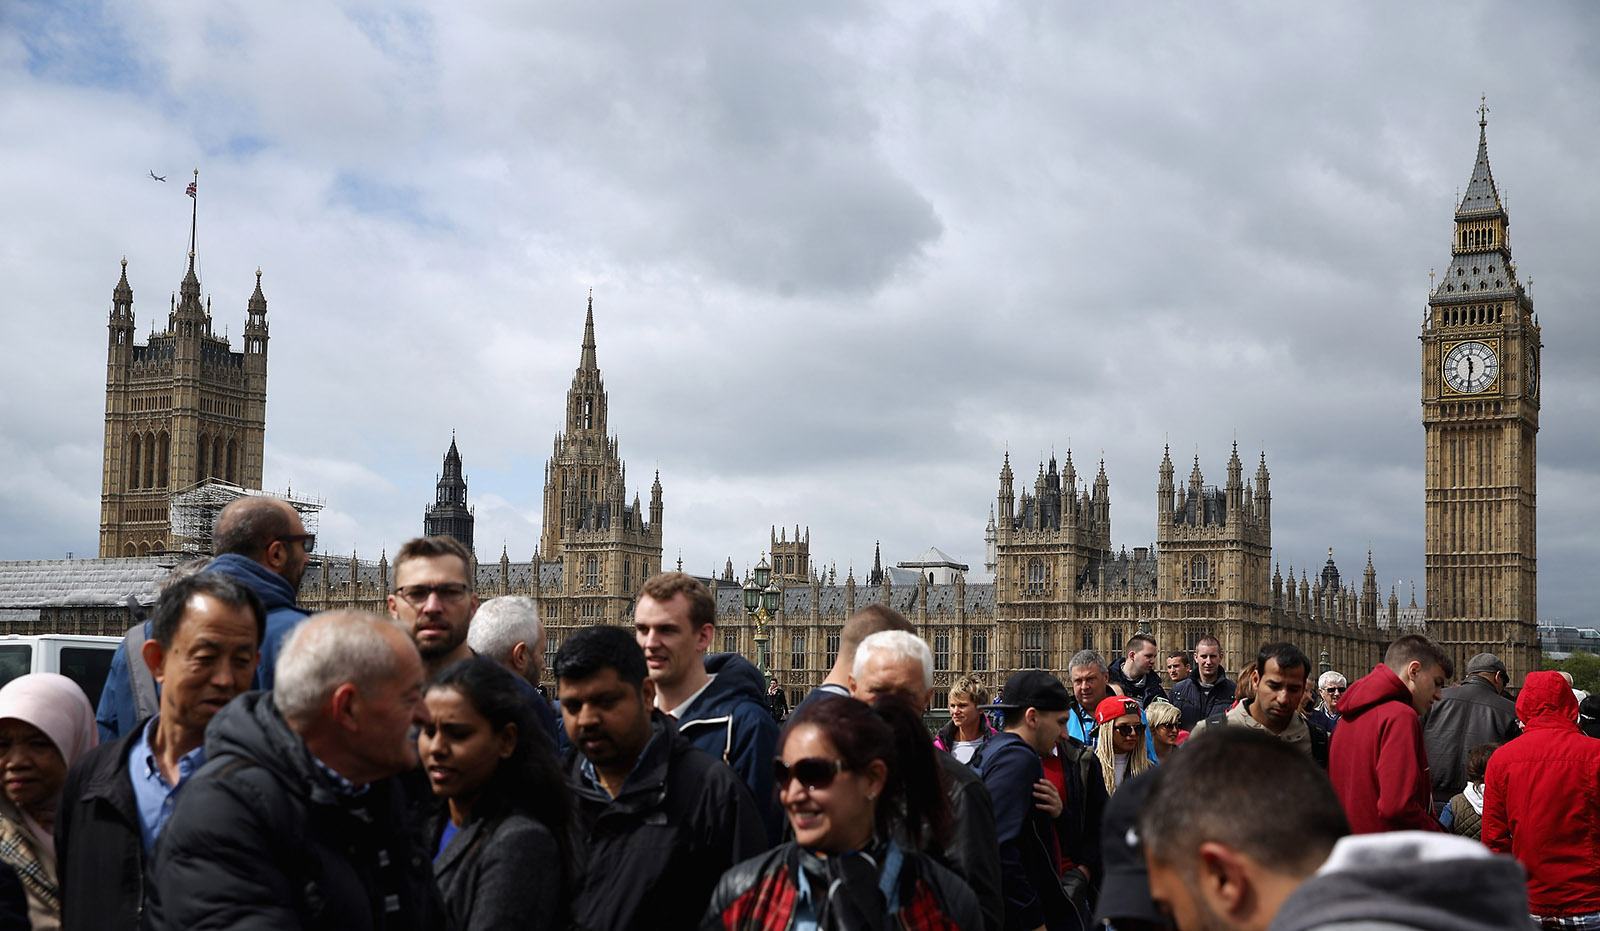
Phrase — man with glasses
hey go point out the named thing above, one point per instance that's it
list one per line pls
(433, 597)
(1330, 687)
(1474, 712)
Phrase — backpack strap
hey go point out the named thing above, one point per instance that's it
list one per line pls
(140, 679)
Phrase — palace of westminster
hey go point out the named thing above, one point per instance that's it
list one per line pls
(185, 414)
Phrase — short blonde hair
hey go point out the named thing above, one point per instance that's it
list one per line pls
(973, 688)
(1160, 712)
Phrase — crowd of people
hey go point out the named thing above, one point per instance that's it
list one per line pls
(253, 767)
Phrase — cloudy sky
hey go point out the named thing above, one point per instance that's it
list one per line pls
(843, 255)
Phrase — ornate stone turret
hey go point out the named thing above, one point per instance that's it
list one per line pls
(449, 514)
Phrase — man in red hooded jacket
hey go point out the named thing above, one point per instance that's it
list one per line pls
(1541, 804)
(1377, 761)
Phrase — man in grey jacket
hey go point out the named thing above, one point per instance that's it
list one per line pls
(1269, 849)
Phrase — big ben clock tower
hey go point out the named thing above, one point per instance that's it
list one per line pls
(1480, 418)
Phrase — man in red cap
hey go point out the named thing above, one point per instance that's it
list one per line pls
(1541, 804)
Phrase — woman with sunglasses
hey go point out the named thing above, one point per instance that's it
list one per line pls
(1166, 732)
(501, 830)
(862, 790)
(1119, 741)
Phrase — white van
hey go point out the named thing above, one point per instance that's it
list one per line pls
(84, 659)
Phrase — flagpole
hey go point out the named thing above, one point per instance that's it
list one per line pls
(194, 216)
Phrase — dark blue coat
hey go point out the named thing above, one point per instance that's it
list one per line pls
(1030, 863)
(732, 722)
(1195, 705)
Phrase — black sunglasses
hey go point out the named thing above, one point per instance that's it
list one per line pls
(309, 539)
(814, 772)
(1128, 730)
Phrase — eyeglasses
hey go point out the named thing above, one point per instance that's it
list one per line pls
(1334, 688)
(417, 595)
(1163, 724)
(814, 772)
(308, 539)
(1128, 730)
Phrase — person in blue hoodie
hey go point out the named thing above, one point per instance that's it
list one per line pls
(719, 701)
(259, 542)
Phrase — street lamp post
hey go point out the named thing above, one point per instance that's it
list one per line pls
(761, 603)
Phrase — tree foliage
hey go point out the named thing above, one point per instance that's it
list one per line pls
(1584, 667)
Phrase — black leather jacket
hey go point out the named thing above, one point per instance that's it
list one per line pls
(1464, 716)
(752, 895)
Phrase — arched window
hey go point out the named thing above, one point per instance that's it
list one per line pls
(591, 571)
(133, 460)
(1199, 571)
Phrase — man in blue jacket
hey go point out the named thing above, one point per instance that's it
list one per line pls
(1037, 709)
(718, 701)
(259, 542)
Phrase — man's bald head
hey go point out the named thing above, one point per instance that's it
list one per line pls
(266, 531)
(248, 525)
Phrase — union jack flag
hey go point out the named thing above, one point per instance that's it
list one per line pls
(190, 189)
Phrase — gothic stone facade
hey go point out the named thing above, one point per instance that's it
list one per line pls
(1059, 586)
(181, 410)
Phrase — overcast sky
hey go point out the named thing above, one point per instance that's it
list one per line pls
(843, 255)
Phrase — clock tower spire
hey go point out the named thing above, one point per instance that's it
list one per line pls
(1480, 417)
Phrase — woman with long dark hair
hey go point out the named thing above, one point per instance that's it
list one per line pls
(862, 790)
(501, 834)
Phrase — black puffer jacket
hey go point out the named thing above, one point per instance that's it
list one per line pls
(650, 857)
(100, 860)
(262, 838)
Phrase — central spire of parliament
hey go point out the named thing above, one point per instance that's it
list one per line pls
(604, 543)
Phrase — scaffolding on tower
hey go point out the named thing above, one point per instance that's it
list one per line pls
(194, 511)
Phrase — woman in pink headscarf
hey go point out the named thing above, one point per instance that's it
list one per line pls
(45, 725)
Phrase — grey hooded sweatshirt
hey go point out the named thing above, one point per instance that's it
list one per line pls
(1409, 881)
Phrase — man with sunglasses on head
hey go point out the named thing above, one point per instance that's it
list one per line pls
(433, 597)
(1330, 688)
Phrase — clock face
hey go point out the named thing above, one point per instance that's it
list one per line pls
(1533, 373)
(1470, 367)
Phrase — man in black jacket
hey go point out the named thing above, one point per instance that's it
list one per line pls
(1208, 690)
(298, 819)
(659, 820)
(894, 661)
(205, 641)
(1474, 712)
(1136, 675)
(1036, 712)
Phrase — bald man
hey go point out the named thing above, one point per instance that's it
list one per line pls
(259, 542)
(262, 543)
